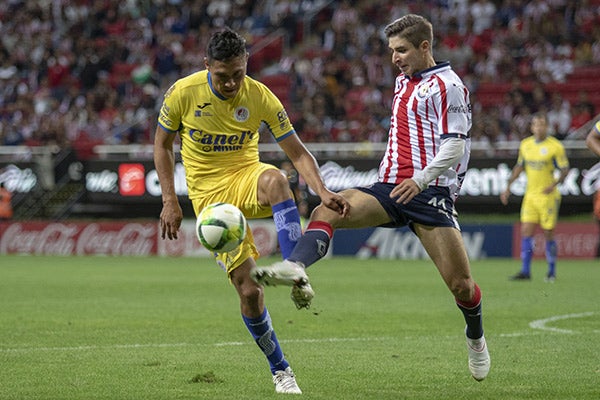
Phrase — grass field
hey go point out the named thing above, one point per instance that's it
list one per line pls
(156, 328)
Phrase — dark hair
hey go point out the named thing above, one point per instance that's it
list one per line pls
(540, 115)
(225, 45)
(411, 27)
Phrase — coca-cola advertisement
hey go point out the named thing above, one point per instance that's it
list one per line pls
(78, 238)
(116, 238)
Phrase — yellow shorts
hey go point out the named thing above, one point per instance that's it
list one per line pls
(241, 190)
(541, 209)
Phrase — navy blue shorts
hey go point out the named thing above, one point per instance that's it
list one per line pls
(433, 206)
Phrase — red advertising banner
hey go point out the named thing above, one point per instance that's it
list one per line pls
(116, 238)
(574, 240)
(78, 238)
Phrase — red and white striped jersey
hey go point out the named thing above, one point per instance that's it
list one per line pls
(426, 108)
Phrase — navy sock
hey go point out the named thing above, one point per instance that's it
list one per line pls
(313, 245)
(551, 256)
(287, 224)
(526, 254)
(264, 335)
(472, 313)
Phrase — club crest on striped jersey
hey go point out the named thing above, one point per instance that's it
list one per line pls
(425, 89)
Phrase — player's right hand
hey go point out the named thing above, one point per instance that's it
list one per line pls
(336, 202)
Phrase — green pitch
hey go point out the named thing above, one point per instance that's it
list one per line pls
(169, 328)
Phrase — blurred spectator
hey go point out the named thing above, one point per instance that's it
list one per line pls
(482, 14)
(559, 116)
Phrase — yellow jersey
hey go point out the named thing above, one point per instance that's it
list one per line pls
(219, 136)
(540, 159)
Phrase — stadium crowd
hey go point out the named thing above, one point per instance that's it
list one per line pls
(76, 73)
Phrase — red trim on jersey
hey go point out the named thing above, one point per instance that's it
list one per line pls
(444, 98)
(320, 226)
(420, 135)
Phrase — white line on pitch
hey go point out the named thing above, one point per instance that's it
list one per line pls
(168, 345)
(541, 323)
(322, 340)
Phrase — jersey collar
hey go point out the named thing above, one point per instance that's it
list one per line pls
(212, 89)
(439, 67)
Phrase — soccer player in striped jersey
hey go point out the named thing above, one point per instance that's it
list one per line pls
(217, 113)
(419, 178)
(539, 156)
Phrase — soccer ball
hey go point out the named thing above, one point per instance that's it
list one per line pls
(221, 227)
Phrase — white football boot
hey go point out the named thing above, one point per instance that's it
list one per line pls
(287, 273)
(479, 358)
(285, 382)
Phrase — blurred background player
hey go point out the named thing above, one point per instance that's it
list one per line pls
(539, 156)
(427, 152)
(592, 141)
(217, 114)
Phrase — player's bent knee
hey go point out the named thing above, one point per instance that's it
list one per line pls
(462, 289)
(322, 213)
(250, 293)
(275, 185)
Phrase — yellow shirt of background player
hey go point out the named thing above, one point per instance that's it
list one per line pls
(540, 159)
(219, 136)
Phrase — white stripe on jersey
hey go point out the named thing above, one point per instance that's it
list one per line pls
(426, 109)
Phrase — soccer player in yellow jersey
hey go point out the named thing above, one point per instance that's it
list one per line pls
(217, 113)
(539, 156)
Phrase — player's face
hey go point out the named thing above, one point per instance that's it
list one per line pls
(539, 127)
(227, 76)
(408, 58)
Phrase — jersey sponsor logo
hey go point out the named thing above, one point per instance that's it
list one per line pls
(282, 116)
(219, 142)
(164, 116)
(168, 92)
(241, 114)
(201, 112)
(459, 108)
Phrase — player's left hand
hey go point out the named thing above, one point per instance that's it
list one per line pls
(335, 202)
(405, 191)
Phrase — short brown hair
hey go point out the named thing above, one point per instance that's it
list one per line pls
(411, 27)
